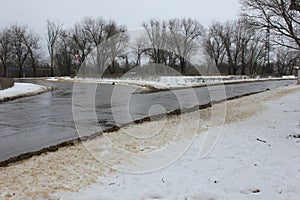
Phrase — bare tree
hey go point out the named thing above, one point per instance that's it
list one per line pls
(53, 31)
(184, 36)
(280, 16)
(106, 38)
(243, 34)
(116, 48)
(63, 53)
(235, 43)
(5, 49)
(138, 49)
(82, 42)
(156, 32)
(255, 54)
(224, 34)
(32, 43)
(214, 46)
(287, 61)
(116, 43)
(96, 28)
(19, 49)
(112, 29)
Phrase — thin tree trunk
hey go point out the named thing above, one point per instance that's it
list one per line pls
(182, 65)
(5, 70)
(20, 72)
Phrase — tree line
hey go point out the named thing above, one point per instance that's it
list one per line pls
(264, 40)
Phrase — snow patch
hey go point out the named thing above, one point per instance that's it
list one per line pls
(22, 90)
(169, 82)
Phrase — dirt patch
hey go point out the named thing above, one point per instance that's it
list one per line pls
(68, 169)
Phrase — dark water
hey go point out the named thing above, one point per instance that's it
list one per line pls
(32, 123)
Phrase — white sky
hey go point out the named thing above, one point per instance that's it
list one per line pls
(131, 13)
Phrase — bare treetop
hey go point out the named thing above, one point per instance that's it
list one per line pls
(279, 16)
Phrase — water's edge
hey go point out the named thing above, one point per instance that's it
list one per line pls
(114, 128)
(47, 89)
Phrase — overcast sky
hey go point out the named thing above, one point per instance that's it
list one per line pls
(131, 13)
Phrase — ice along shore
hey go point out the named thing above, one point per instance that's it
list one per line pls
(20, 90)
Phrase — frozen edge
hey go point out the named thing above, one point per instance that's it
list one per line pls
(20, 90)
(152, 86)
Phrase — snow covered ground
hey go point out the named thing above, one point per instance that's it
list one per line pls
(169, 82)
(257, 157)
(22, 90)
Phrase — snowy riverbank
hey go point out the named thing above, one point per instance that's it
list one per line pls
(170, 82)
(257, 157)
(22, 90)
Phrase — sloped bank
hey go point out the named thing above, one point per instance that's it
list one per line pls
(20, 90)
(165, 83)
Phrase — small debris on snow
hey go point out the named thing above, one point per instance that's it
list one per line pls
(261, 140)
(256, 191)
(294, 136)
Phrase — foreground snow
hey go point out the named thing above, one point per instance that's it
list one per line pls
(22, 90)
(257, 157)
(169, 82)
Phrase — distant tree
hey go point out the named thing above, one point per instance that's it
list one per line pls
(107, 38)
(5, 49)
(63, 54)
(116, 43)
(138, 48)
(116, 48)
(235, 43)
(82, 40)
(156, 33)
(32, 43)
(286, 61)
(214, 45)
(18, 35)
(112, 29)
(255, 54)
(54, 29)
(96, 30)
(224, 34)
(184, 34)
(243, 35)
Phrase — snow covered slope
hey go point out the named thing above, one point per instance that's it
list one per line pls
(169, 82)
(22, 90)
